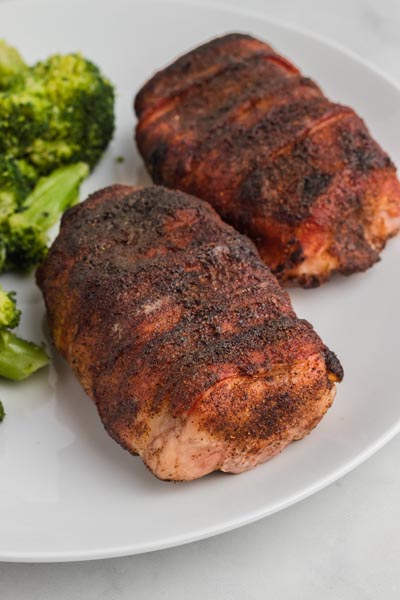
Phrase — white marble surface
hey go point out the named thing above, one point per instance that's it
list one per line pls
(342, 543)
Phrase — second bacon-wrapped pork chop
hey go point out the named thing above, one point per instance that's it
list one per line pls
(238, 125)
(181, 334)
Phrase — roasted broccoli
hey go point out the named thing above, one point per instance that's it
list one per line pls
(56, 120)
(9, 314)
(55, 114)
(18, 358)
(24, 233)
(17, 179)
(58, 112)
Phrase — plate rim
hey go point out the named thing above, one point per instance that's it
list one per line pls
(181, 540)
(321, 483)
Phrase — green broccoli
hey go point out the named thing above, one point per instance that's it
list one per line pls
(24, 233)
(11, 65)
(18, 358)
(54, 114)
(17, 179)
(56, 120)
(60, 111)
(9, 314)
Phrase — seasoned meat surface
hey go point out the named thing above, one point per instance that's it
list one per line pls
(181, 334)
(238, 125)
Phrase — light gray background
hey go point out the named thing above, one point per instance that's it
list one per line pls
(342, 543)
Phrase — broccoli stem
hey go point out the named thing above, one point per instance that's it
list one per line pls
(19, 358)
(50, 198)
(25, 231)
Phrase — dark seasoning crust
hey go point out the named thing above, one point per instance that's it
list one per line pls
(159, 307)
(236, 124)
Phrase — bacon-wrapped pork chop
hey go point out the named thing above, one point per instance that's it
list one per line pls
(238, 125)
(181, 334)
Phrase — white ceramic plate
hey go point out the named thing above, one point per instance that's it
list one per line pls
(68, 492)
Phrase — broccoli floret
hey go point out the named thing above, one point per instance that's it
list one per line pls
(57, 113)
(18, 358)
(9, 314)
(25, 232)
(60, 112)
(17, 179)
(12, 65)
(24, 118)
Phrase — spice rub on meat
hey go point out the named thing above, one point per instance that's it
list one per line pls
(238, 125)
(181, 334)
